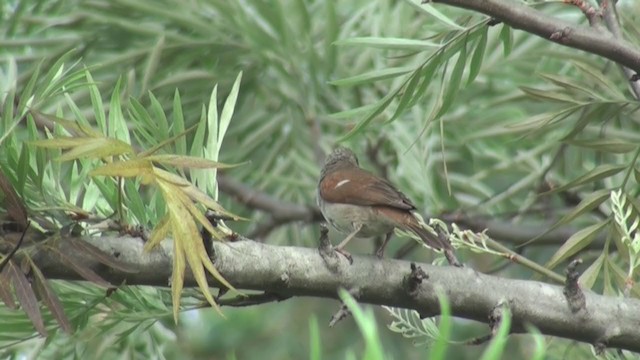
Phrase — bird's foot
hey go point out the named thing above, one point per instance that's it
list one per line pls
(380, 253)
(344, 253)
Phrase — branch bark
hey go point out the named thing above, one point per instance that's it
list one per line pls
(295, 271)
(529, 19)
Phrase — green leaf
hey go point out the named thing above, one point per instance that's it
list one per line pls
(430, 10)
(598, 173)
(97, 149)
(372, 76)
(439, 348)
(605, 145)
(478, 55)
(189, 162)
(507, 39)
(497, 346)
(453, 85)
(389, 43)
(576, 242)
(590, 275)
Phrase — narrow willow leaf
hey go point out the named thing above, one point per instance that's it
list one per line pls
(381, 105)
(575, 243)
(135, 167)
(96, 102)
(496, 347)
(159, 233)
(507, 39)
(178, 123)
(598, 173)
(597, 76)
(389, 43)
(354, 112)
(429, 72)
(26, 297)
(163, 175)
(177, 276)
(50, 298)
(62, 142)
(24, 168)
(408, 93)
(606, 145)
(621, 279)
(430, 10)
(453, 85)
(152, 62)
(478, 55)
(372, 76)
(570, 85)
(587, 204)
(186, 238)
(439, 348)
(547, 95)
(227, 112)
(165, 142)
(590, 275)
(97, 149)
(183, 161)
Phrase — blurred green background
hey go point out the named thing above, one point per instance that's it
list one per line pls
(464, 117)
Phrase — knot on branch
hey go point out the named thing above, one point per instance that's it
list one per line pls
(561, 36)
(572, 292)
(414, 279)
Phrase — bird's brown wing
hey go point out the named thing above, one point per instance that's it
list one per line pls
(369, 190)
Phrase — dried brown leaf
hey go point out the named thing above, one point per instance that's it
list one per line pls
(5, 291)
(26, 296)
(82, 270)
(50, 298)
(15, 206)
(101, 256)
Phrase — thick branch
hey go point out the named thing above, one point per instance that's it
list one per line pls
(295, 271)
(526, 18)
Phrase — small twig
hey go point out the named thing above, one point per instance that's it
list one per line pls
(495, 318)
(572, 292)
(611, 20)
(253, 299)
(15, 248)
(344, 311)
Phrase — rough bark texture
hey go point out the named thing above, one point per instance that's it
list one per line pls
(296, 271)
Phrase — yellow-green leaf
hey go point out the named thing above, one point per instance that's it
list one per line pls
(576, 242)
(184, 161)
(97, 148)
(63, 142)
(163, 175)
(159, 233)
(128, 168)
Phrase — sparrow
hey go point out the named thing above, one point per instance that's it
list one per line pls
(361, 204)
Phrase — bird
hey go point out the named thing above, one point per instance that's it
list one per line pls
(360, 204)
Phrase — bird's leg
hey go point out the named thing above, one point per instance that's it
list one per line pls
(340, 247)
(380, 251)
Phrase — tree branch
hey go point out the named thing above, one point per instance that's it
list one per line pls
(293, 271)
(531, 20)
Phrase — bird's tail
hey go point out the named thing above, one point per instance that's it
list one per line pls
(436, 241)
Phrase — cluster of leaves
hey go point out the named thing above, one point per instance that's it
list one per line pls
(111, 147)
